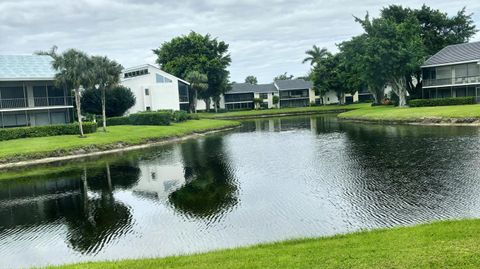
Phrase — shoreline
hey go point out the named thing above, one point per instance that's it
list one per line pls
(115, 148)
(459, 122)
(286, 114)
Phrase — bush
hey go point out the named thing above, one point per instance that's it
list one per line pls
(151, 118)
(193, 117)
(179, 116)
(442, 101)
(118, 100)
(116, 121)
(49, 130)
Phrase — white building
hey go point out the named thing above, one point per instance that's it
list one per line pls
(155, 89)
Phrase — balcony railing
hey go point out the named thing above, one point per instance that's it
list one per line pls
(13, 103)
(294, 96)
(52, 101)
(37, 102)
(451, 81)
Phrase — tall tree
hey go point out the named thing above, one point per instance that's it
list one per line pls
(72, 72)
(395, 48)
(251, 79)
(437, 30)
(283, 76)
(315, 55)
(198, 83)
(196, 52)
(104, 75)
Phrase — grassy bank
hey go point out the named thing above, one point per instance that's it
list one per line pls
(281, 111)
(438, 245)
(439, 114)
(117, 136)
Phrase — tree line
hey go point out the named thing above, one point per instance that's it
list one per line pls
(389, 52)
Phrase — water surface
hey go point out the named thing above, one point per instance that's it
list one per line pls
(270, 180)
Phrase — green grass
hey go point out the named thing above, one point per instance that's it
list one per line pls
(129, 135)
(292, 111)
(415, 114)
(438, 245)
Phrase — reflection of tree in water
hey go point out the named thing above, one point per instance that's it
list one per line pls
(210, 189)
(100, 218)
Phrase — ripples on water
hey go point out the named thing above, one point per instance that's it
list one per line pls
(272, 179)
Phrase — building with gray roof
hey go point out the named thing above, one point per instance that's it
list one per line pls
(28, 95)
(453, 72)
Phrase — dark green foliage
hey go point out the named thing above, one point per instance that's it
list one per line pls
(117, 121)
(193, 117)
(284, 76)
(442, 101)
(251, 79)
(179, 116)
(118, 100)
(151, 118)
(275, 99)
(42, 131)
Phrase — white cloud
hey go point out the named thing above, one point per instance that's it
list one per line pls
(266, 37)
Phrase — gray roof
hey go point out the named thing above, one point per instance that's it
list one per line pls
(247, 87)
(466, 52)
(26, 67)
(294, 84)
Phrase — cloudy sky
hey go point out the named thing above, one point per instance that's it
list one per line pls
(266, 37)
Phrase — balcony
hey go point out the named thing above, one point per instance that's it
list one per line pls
(451, 81)
(37, 102)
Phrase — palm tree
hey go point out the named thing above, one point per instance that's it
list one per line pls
(315, 55)
(104, 74)
(72, 72)
(198, 83)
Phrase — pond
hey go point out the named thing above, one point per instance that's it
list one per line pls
(270, 180)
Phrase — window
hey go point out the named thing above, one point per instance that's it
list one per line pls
(136, 73)
(161, 79)
(148, 108)
(147, 92)
(264, 96)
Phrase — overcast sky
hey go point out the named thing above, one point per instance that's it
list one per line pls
(266, 37)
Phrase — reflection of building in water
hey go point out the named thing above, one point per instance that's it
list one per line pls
(158, 179)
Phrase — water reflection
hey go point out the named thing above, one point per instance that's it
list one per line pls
(272, 179)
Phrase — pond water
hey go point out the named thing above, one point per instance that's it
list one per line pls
(270, 180)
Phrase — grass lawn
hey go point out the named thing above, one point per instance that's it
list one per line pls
(293, 111)
(129, 135)
(438, 245)
(414, 114)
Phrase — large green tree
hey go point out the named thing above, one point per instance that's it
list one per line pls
(251, 80)
(104, 75)
(196, 52)
(437, 30)
(394, 50)
(72, 72)
(199, 84)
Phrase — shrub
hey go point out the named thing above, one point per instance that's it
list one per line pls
(275, 99)
(442, 101)
(193, 117)
(151, 118)
(179, 116)
(116, 121)
(49, 130)
(118, 100)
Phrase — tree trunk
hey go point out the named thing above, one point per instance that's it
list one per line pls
(104, 114)
(79, 111)
(207, 104)
(399, 87)
(341, 98)
(195, 101)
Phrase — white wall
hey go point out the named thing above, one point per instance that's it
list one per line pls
(162, 95)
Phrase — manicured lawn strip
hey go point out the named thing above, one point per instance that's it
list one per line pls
(438, 245)
(414, 114)
(128, 135)
(293, 111)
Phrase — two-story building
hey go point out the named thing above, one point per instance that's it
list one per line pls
(28, 95)
(242, 96)
(453, 72)
(295, 92)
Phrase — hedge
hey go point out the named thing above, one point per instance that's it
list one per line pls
(151, 118)
(116, 121)
(49, 130)
(442, 101)
(179, 116)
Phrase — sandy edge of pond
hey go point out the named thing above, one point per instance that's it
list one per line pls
(72, 155)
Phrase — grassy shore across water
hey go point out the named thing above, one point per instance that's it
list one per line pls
(282, 111)
(438, 114)
(451, 244)
(41, 147)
